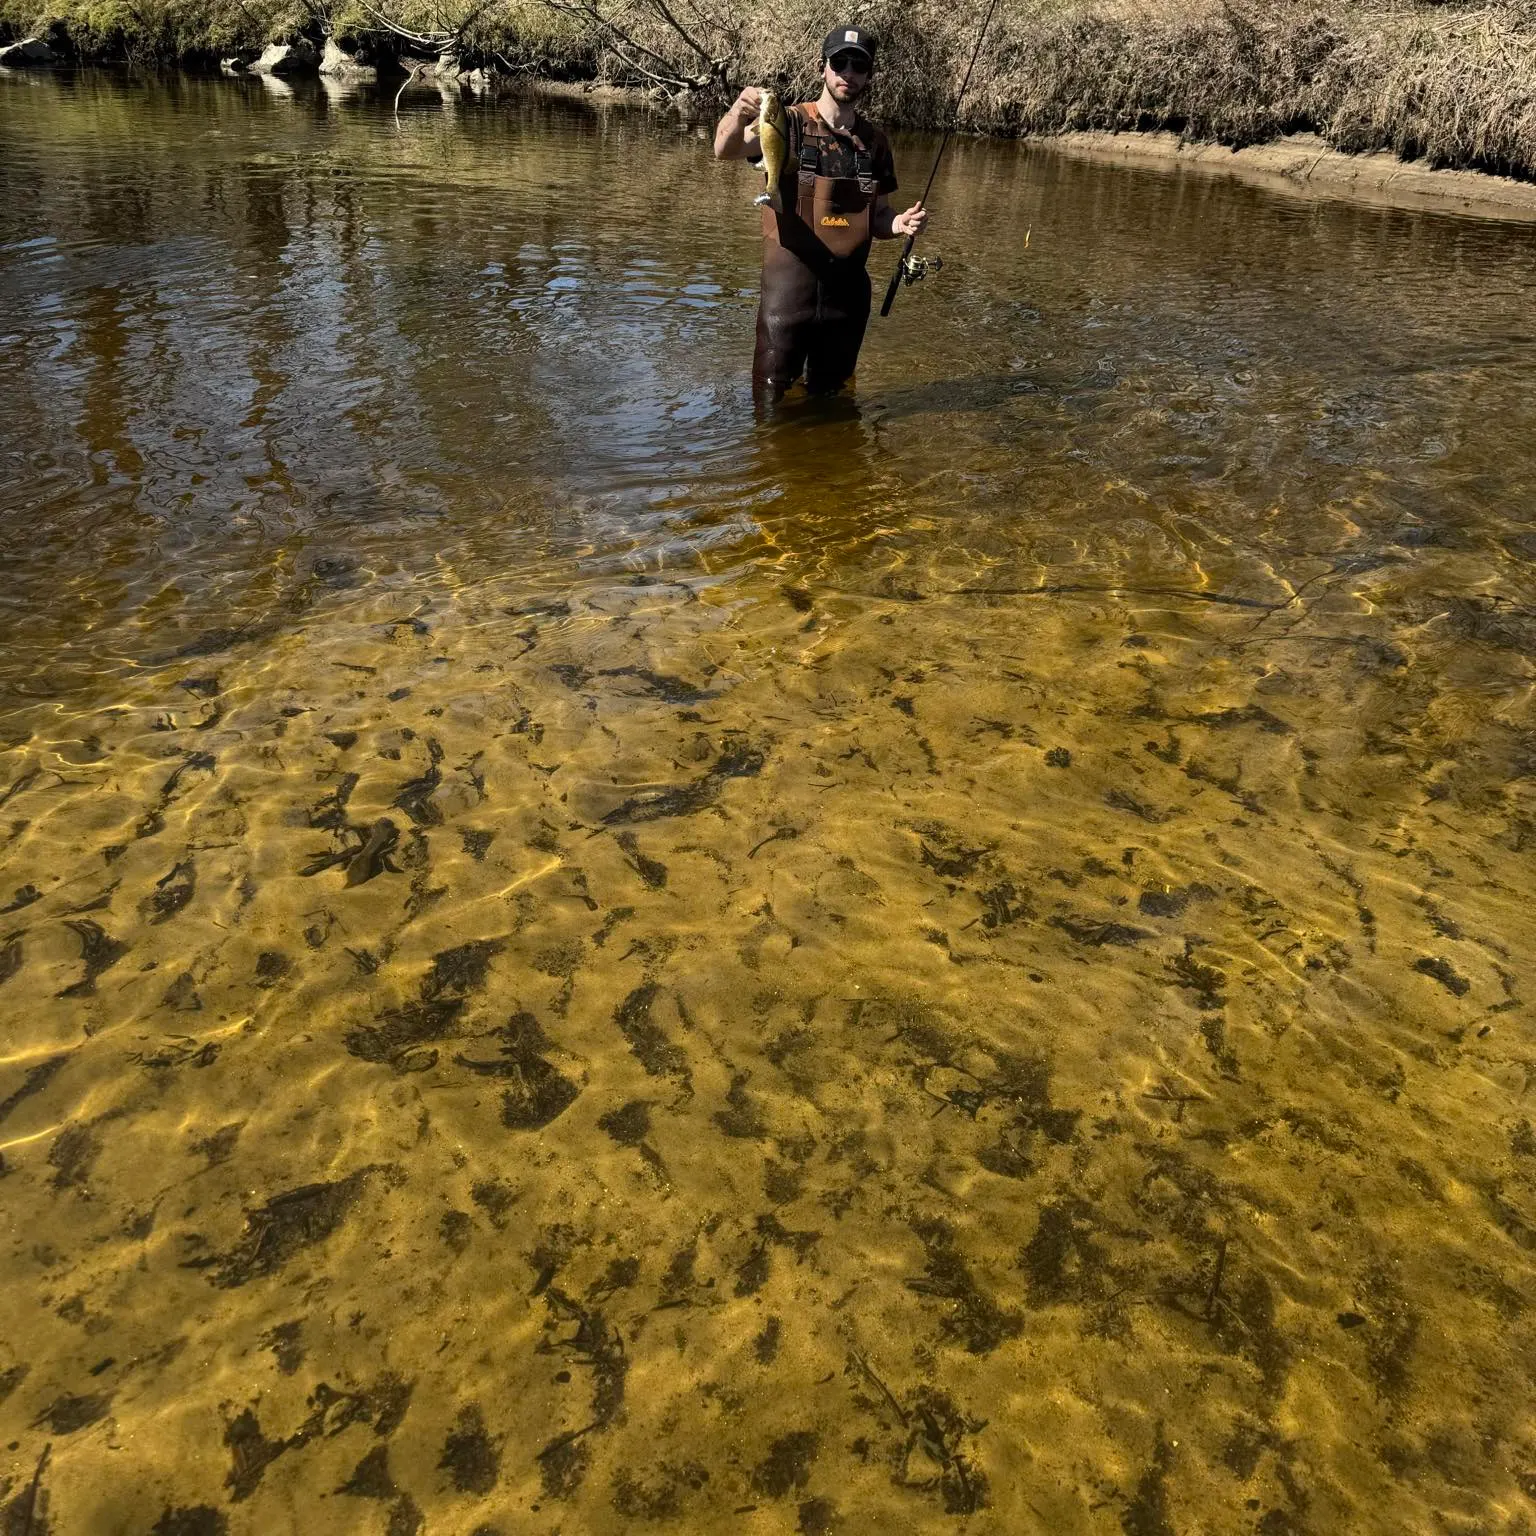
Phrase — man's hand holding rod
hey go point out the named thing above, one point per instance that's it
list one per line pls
(892, 226)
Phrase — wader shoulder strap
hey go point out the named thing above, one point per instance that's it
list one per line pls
(806, 134)
(864, 164)
(807, 152)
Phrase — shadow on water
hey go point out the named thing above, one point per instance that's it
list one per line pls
(967, 394)
(833, 432)
(804, 437)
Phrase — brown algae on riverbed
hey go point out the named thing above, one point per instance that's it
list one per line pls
(1068, 1076)
(572, 961)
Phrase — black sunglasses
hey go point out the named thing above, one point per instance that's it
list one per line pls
(848, 63)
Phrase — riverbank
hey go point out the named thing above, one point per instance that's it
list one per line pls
(1443, 84)
(1301, 164)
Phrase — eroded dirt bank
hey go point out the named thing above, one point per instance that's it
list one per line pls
(1301, 163)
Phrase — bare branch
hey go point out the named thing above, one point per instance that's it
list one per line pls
(437, 42)
(672, 82)
(663, 10)
(442, 42)
(527, 67)
(474, 15)
(609, 29)
(251, 17)
(320, 15)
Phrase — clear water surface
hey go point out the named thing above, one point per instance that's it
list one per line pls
(575, 959)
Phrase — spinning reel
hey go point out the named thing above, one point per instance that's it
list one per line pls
(915, 268)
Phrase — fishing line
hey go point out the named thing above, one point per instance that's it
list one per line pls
(904, 266)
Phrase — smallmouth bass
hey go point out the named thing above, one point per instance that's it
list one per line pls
(773, 140)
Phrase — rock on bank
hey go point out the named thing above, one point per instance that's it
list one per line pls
(29, 53)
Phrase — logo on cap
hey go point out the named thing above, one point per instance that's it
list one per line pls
(850, 37)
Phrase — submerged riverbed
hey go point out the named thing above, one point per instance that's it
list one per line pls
(575, 959)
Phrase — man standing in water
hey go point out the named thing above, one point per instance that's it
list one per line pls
(835, 191)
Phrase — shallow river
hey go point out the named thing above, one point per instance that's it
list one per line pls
(577, 960)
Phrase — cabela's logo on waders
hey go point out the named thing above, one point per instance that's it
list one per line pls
(835, 221)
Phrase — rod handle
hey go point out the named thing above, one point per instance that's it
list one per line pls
(901, 266)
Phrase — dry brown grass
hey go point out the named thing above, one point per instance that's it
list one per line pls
(1451, 82)
(1456, 85)
(1458, 88)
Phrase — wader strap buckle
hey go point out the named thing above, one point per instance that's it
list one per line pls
(810, 164)
(864, 169)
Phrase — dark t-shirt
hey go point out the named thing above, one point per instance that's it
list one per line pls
(839, 159)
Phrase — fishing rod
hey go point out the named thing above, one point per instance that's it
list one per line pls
(907, 268)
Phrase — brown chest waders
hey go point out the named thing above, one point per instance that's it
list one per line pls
(815, 297)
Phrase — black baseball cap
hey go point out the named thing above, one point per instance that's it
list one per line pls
(849, 40)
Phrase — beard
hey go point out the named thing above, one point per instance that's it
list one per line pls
(853, 94)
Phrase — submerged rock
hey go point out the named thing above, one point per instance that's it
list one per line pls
(29, 52)
(287, 59)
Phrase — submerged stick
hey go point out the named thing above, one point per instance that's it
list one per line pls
(869, 1371)
(1215, 1291)
(1067, 590)
(559, 1443)
(34, 1489)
